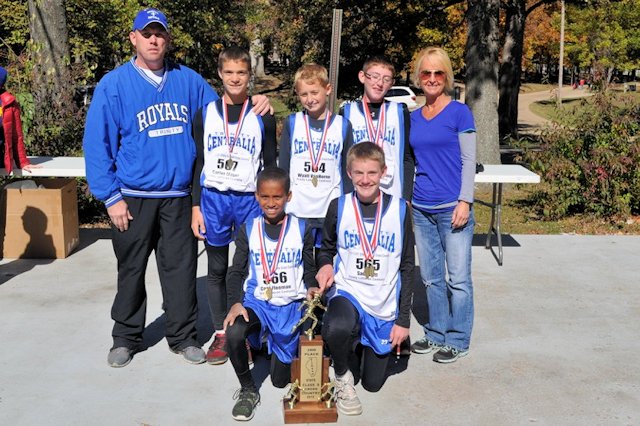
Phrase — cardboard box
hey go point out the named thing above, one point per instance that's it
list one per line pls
(40, 223)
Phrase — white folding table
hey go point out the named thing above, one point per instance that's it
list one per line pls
(52, 167)
(498, 174)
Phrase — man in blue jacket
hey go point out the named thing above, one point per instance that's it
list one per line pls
(139, 159)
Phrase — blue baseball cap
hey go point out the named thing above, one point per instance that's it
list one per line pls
(3, 76)
(149, 16)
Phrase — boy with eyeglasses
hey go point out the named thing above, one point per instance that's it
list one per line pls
(385, 123)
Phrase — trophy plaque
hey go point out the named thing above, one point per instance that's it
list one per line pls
(311, 396)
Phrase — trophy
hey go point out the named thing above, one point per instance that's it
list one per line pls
(311, 396)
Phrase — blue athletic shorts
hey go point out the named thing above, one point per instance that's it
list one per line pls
(277, 324)
(224, 212)
(374, 332)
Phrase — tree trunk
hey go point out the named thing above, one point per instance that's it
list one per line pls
(481, 58)
(48, 28)
(511, 68)
(256, 50)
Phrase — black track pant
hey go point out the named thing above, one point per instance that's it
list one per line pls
(237, 349)
(217, 261)
(341, 332)
(163, 225)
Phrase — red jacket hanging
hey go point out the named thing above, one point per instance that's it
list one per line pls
(12, 127)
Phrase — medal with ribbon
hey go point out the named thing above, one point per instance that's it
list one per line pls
(315, 158)
(269, 269)
(376, 134)
(229, 164)
(369, 243)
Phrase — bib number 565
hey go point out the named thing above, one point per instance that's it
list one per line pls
(362, 263)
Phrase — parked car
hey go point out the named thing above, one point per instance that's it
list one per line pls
(403, 95)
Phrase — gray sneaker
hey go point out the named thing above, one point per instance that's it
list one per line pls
(245, 408)
(347, 401)
(425, 346)
(191, 354)
(119, 357)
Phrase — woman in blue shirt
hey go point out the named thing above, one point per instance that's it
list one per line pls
(443, 139)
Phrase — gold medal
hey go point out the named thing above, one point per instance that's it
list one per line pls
(369, 271)
(228, 165)
(314, 180)
(267, 293)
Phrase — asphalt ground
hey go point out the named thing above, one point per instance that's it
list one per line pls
(555, 341)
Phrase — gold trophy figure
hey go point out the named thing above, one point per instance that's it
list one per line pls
(311, 305)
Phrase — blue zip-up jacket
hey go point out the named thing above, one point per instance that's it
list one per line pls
(137, 140)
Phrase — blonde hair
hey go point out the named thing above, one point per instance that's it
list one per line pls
(310, 73)
(440, 57)
(365, 151)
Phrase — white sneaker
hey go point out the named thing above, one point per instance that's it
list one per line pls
(347, 401)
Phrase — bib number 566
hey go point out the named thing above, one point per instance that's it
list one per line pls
(279, 278)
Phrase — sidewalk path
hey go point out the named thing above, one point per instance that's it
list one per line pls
(528, 121)
(555, 342)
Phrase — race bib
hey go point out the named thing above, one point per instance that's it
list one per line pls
(372, 271)
(387, 179)
(233, 169)
(282, 285)
(322, 179)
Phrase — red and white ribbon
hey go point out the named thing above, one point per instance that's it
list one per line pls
(225, 118)
(315, 158)
(269, 269)
(376, 134)
(368, 243)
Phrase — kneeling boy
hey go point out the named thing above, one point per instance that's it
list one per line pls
(273, 265)
(369, 290)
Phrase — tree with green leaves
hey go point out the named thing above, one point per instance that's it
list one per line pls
(607, 38)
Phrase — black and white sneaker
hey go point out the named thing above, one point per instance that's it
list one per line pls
(425, 346)
(245, 408)
(448, 354)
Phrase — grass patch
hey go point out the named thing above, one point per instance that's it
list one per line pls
(519, 218)
(548, 109)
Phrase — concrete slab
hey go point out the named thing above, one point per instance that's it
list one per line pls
(555, 342)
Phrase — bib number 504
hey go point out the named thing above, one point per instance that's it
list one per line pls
(308, 168)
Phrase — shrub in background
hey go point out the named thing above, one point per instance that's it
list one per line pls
(589, 160)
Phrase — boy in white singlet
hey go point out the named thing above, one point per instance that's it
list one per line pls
(313, 149)
(273, 271)
(370, 287)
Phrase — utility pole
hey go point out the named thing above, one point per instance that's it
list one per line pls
(561, 61)
(334, 64)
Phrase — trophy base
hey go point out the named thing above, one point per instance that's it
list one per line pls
(309, 412)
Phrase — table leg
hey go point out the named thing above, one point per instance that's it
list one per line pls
(492, 205)
(498, 231)
(496, 220)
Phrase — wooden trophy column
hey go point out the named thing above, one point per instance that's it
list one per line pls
(311, 397)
